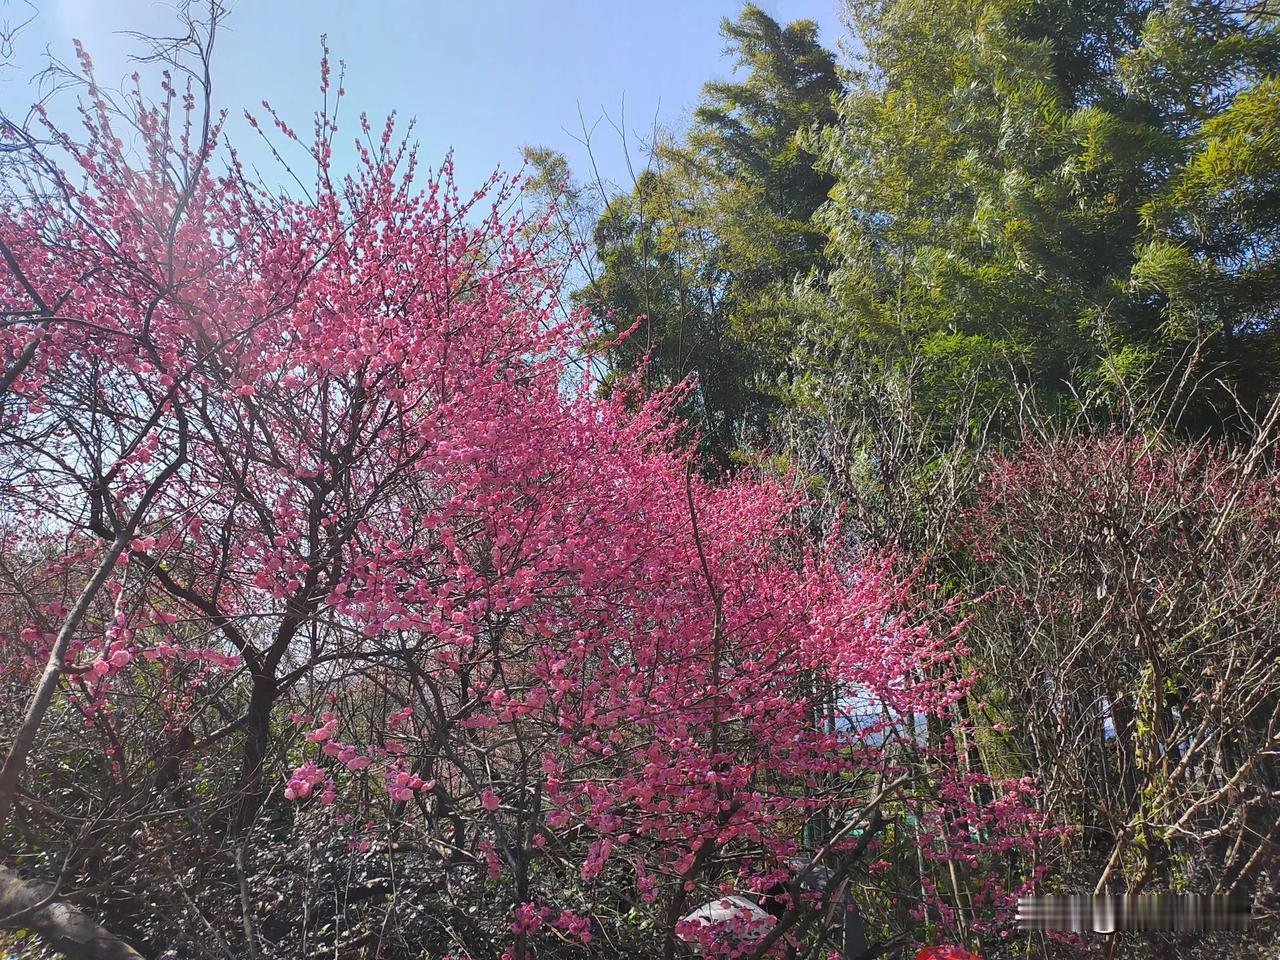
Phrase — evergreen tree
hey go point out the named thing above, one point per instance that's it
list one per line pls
(1212, 252)
(1034, 192)
(709, 243)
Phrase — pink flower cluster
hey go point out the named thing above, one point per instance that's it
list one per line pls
(304, 780)
(401, 785)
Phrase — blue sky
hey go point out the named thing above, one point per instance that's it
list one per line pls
(481, 76)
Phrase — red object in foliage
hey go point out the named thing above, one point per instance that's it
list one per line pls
(946, 953)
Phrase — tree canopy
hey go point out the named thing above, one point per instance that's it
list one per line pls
(1025, 190)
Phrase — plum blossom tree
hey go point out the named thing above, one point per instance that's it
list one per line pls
(322, 554)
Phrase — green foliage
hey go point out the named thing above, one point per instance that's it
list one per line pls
(1005, 197)
(709, 243)
(1065, 186)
